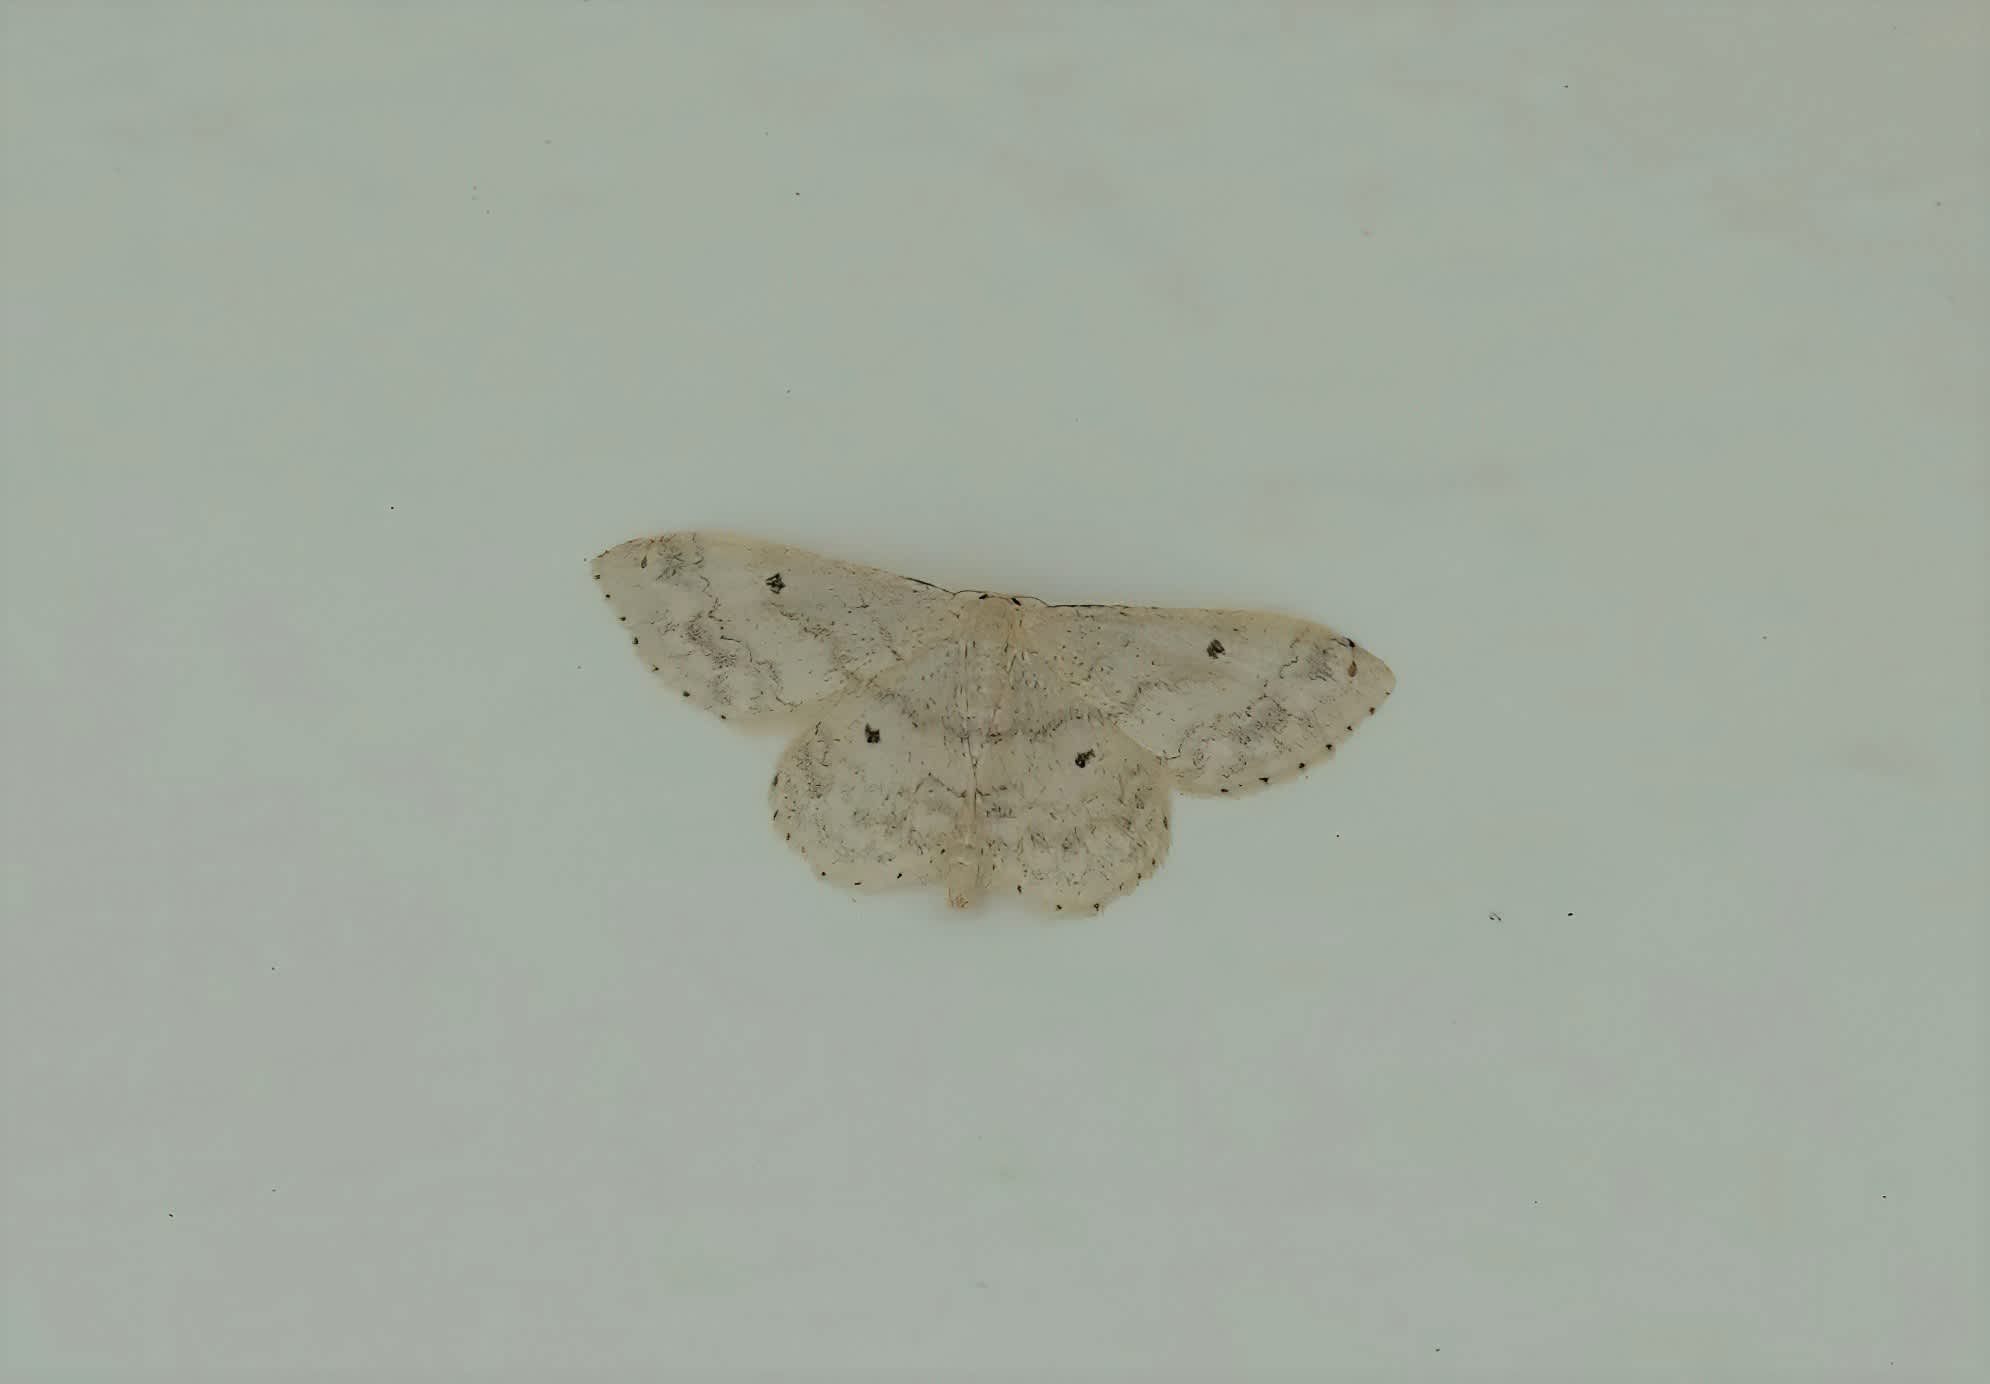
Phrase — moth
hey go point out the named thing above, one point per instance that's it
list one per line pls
(980, 741)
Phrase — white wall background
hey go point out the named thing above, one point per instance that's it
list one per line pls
(395, 982)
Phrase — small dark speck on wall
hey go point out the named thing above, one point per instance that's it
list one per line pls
(1084, 758)
(871, 735)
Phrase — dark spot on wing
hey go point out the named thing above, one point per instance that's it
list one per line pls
(870, 735)
(774, 583)
(1215, 649)
(1084, 758)
(1350, 667)
(644, 563)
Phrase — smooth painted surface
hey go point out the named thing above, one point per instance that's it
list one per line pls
(394, 982)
